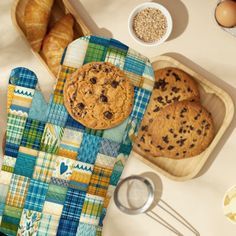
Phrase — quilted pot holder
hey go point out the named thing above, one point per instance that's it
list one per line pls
(58, 176)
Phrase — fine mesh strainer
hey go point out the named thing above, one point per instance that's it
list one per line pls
(137, 194)
(134, 195)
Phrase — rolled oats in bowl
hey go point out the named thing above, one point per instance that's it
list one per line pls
(150, 24)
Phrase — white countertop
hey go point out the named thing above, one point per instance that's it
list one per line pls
(196, 41)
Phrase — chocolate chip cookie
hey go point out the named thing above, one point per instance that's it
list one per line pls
(171, 85)
(181, 130)
(99, 95)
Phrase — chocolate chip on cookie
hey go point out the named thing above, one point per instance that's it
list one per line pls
(108, 114)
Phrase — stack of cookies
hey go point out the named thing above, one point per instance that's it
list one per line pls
(175, 124)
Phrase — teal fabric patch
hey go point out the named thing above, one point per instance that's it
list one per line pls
(39, 107)
(89, 148)
(56, 194)
(11, 220)
(116, 173)
(86, 230)
(116, 134)
(25, 164)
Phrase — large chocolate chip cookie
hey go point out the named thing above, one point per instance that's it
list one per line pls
(181, 130)
(99, 95)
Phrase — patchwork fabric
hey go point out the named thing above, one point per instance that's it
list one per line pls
(48, 225)
(11, 149)
(15, 128)
(36, 195)
(23, 77)
(63, 168)
(32, 134)
(67, 227)
(56, 193)
(86, 230)
(8, 163)
(51, 138)
(29, 223)
(81, 175)
(92, 209)
(10, 220)
(142, 97)
(70, 143)
(73, 124)
(73, 204)
(89, 148)
(25, 162)
(58, 176)
(99, 181)
(105, 161)
(109, 147)
(44, 167)
(22, 99)
(57, 114)
(17, 191)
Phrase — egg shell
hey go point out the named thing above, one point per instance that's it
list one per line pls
(226, 13)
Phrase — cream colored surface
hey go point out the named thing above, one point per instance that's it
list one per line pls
(201, 45)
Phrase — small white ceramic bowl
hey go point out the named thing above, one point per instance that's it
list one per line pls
(143, 6)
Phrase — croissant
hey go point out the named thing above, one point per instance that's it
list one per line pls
(56, 41)
(36, 18)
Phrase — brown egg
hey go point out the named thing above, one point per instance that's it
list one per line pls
(226, 13)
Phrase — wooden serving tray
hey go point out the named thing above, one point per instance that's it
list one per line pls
(214, 99)
(60, 8)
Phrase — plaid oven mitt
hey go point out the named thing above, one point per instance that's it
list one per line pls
(58, 176)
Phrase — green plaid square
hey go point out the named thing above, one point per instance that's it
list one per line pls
(15, 128)
(116, 57)
(92, 209)
(44, 167)
(32, 134)
(95, 52)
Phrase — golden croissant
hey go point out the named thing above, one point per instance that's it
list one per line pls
(56, 41)
(37, 13)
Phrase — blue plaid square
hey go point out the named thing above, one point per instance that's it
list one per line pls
(99, 40)
(141, 99)
(57, 114)
(36, 195)
(148, 72)
(73, 124)
(11, 149)
(32, 134)
(67, 227)
(23, 77)
(73, 204)
(118, 45)
(134, 63)
(131, 131)
(109, 148)
(89, 148)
